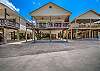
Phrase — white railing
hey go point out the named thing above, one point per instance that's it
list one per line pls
(52, 25)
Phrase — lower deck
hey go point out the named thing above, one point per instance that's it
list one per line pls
(9, 35)
(58, 34)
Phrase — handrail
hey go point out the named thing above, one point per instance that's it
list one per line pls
(52, 25)
(86, 25)
(9, 23)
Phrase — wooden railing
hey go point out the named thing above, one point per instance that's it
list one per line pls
(29, 25)
(86, 25)
(52, 25)
(9, 23)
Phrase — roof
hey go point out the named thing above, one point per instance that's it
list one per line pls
(93, 11)
(14, 11)
(47, 4)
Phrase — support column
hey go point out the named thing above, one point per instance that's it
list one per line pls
(18, 35)
(92, 34)
(85, 34)
(89, 33)
(14, 35)
(5, 35)
(53, 24)
(66, 35)
(57, 36)
(90, 27)
(50, 36)
(40, 35)
(98, 35)
(26, 34)
(76, 29)
(34, 35)
(71, 34)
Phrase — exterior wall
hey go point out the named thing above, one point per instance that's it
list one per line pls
(46, 11)
(17, 33)
(1, 11)
(49, 17)
(89, 15)
(12, 14)
(22, 25)
(52, 32)
(8, 33)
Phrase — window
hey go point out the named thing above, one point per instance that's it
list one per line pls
(50, 6)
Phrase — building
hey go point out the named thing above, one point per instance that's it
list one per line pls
(52, 21)
(86, 26)
(12, 25)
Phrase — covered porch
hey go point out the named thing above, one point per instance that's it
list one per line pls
(85, 26)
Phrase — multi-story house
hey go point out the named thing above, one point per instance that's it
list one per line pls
(86, 26)
(12, 25)
(51, 21)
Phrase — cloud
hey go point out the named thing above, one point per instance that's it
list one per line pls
(10, 5)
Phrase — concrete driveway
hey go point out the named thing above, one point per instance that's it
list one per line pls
(85, 59)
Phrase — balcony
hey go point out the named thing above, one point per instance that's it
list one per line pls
(52, 25)
(9, 23)
(86, 26)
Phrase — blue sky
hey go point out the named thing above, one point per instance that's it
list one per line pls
(77, 7)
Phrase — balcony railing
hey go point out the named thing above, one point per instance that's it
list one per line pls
(86, 25)
(52, 25)
(9, 23)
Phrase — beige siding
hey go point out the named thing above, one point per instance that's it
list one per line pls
(89, 15)
(45, 11)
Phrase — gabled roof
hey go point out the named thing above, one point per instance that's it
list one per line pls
(93, 11)
(47, 4)
(14, 11)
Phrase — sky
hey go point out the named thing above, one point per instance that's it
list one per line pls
(77, 7)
